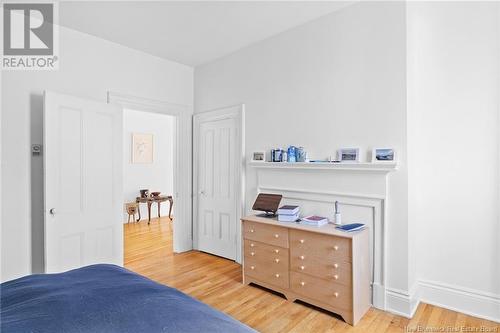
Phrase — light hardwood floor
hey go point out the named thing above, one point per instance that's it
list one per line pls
(217, 282)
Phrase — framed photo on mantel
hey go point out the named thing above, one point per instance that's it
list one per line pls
(383, 155)
(348, 155)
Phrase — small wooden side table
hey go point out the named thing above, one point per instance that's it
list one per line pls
(150, 200)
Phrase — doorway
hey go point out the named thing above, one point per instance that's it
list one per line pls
(148, 178)
(182, 162)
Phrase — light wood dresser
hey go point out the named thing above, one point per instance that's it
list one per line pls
(318, 265)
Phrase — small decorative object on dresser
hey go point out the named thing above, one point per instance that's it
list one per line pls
(259, 156)
(348, 155)
(323, 266)
(338, 216)
(381, 155)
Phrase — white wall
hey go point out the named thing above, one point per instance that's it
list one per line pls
(338, 81)
(89, 68)
(454, 70)
(157, 176)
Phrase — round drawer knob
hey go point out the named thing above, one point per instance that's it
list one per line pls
(302, 283)
(276, 236)
(301, 241)
(302, 257)
(336, 247)
(336, 265)
(252, 231)
(252, 267)
(336, 277)
(252, 244)
(277, 260)
(277, 275)
(302, 268)
(252, 253)
(336, 294)
(276, 251)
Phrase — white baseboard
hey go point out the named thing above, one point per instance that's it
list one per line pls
(467, 301)
(401, 302)
(470, 302)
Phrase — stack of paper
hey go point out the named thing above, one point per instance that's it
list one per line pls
(315, 220)
(288, 213)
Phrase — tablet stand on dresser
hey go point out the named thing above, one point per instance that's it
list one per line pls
(318, 265)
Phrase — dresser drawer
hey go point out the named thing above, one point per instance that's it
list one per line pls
(325, 291)
(265, 233)
(328, 269)
(322, 246)
(253, 249)
(267, 269)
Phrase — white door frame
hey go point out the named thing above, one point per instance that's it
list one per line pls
(182, 237)
(219, 114)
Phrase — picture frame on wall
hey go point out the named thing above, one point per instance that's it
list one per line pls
(258, 156)
(384, 155)
(348, 155)
(142, 148)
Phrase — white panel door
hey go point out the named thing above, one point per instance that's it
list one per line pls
(218, 150)
(83, 182)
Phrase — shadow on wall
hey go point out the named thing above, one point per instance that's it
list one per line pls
(37, 214)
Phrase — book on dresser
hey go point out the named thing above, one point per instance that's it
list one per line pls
(288, 218)
(288, 210)
(351, 227)
(314, 220)
(323, 266)
(288, 213)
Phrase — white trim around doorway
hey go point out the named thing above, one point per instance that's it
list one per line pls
(183, 228)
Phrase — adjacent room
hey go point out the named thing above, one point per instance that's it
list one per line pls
(250, 166)
(148, 181)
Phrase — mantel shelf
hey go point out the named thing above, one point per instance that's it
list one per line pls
(360, 166)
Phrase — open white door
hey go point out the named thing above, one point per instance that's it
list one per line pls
(83, 182)
(218, 148)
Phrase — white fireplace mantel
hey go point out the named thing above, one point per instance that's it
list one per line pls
(361, 166)
(360, 188)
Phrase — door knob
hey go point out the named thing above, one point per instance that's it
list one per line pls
(202, 192)
(52, 211)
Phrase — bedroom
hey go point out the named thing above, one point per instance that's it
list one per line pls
(323, 75)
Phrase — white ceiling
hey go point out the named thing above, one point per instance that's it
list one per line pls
(191, 33)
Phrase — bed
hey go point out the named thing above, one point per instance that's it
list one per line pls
(104, 298)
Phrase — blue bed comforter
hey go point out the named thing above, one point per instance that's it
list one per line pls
(104, 298)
